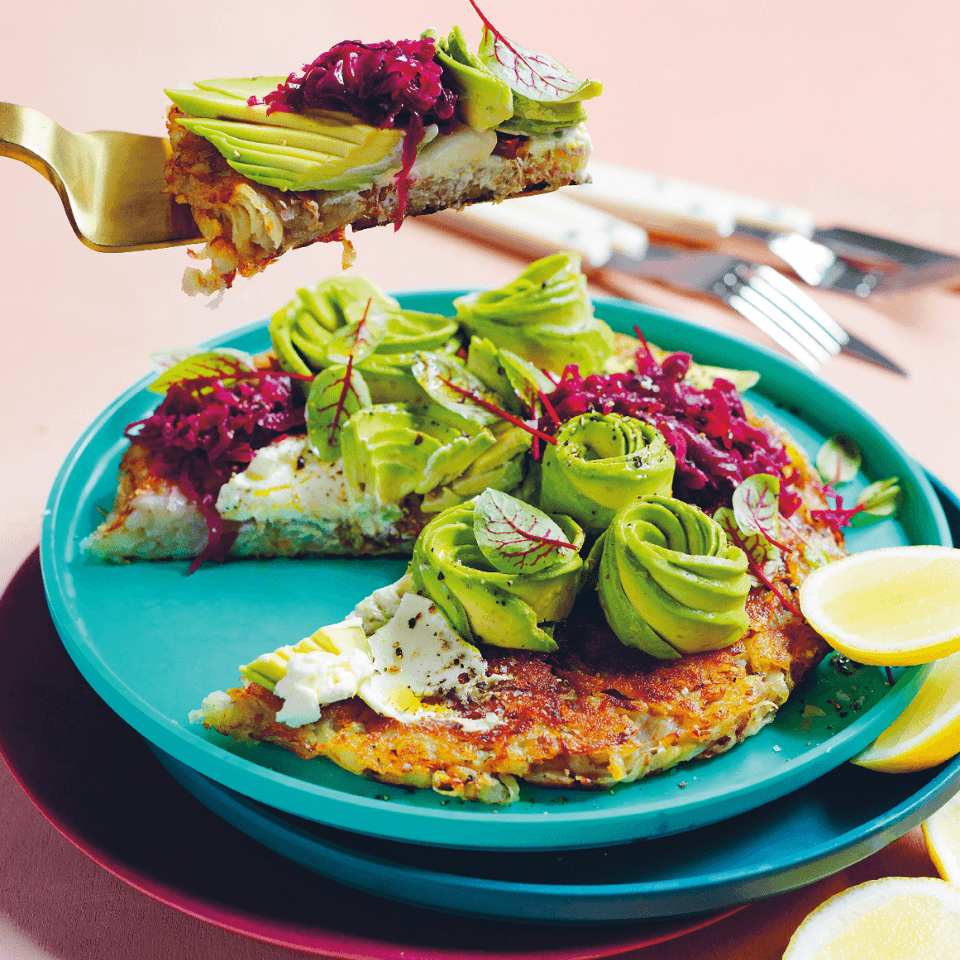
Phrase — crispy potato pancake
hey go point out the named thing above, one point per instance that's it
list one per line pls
(593, 714)
(247, 225)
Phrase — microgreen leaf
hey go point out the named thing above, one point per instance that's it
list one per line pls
(515, 537)
(454, 387)
(528, 382)
(838, 460)
(756, 505)
(878, 500)
(763, 555)
(335, 394)
(358, 340)
(223, 364)
(528, 72)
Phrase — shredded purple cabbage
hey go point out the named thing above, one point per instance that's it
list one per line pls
(204, 430)
(715, 445)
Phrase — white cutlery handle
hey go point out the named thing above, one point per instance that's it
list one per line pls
(547, 223)
(684, 209)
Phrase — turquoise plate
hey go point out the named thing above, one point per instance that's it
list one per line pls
(153, 641)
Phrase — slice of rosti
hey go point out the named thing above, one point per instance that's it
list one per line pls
(590, 714)
(368, 134)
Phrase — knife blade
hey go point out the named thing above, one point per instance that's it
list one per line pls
(836, 258)
(551, 222)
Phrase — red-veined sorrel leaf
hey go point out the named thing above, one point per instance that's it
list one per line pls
(223, 364)
(515, 537)
(528, 72)
(838, 460)
(357, 341)
(454, 387)
(763, 555)
(764, 558)
(756, 506)
(527, 381)
(335, 394)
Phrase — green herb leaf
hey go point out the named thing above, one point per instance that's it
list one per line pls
(756, 506)
(223, 364)
(335, 394)
(527, 381)
(358, 340)
(528, 72)
(763, 555)
(515, 537)
(436, 372)
(878, 500)
(838, 460)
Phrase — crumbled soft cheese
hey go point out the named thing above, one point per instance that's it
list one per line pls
(417, 648)
(374, 611)
(414, 655)
(316, 678)
(285, 481)
(446, 156)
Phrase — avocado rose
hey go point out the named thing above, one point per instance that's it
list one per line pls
(314, 330)
(669, 581)
(484, 604)
(600, 463)
(543, 316)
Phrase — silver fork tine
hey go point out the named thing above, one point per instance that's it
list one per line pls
(769, 318)
(552, 221)
(775, 304)
(816, 320)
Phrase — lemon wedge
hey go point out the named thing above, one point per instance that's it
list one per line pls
(928, 730)
(898, 606)
(942, 833)
(897, 918)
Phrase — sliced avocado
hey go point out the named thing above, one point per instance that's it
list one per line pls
(391, 450)
(482, 604)
(334, 142)
(270, 668)
(301, 330)
(241, 87)
(318, 159)
(566, 114)
(502, 467)
(341, 638)
(483, 100)
(213, 105)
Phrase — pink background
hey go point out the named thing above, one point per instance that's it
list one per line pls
(846, 108)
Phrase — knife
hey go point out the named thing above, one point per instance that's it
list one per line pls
(551, 222)
(836, 258)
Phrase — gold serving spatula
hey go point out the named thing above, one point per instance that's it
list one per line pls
(111, 184)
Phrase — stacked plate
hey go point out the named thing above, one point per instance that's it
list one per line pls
(770, 815)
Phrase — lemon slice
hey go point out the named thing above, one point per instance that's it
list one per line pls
(942, 833)
(928, 730)
(898, 606)
(897, 918)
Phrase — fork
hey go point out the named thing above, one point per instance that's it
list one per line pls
(836, 258)
(759, 293)
(111, 184)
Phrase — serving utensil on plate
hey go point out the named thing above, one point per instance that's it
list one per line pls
(837, 258)
(111, 183)
(772, 303)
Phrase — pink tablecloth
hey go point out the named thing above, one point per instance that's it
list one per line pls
(846, 109)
